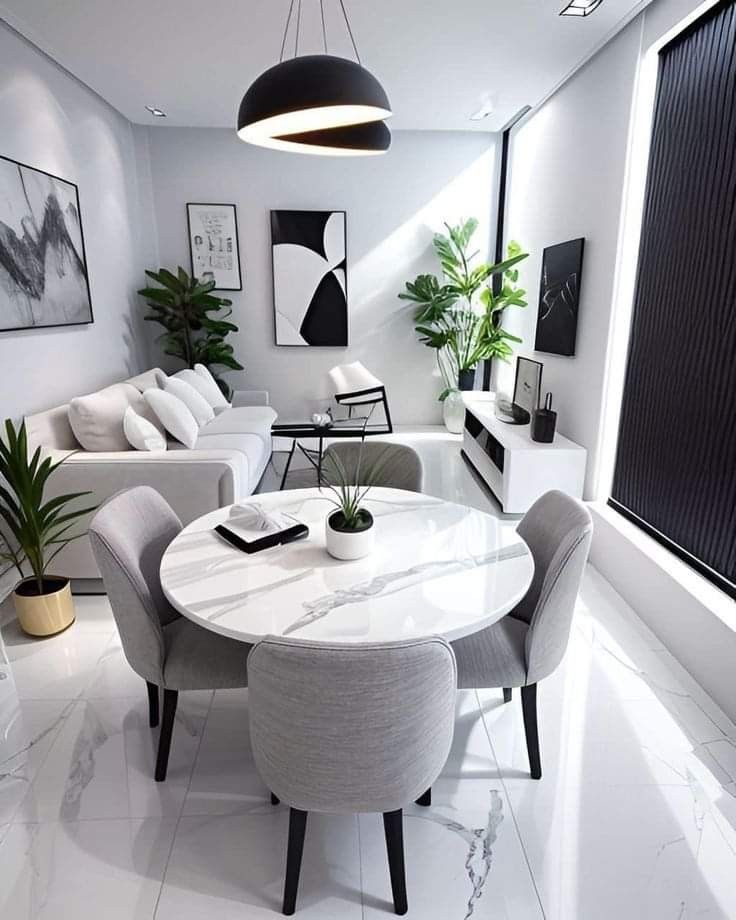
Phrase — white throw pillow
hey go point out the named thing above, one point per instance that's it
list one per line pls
(97, 419)
(192, 399)
(202, 381)
(142, 434)
(174, 416)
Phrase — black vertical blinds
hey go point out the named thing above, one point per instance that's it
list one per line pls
(675, 471)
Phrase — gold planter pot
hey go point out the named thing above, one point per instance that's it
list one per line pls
(44, 614)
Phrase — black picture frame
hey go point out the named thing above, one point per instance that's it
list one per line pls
(526, 368)
(559, 298)
(84, 322)
(272, 216)
(236, 250)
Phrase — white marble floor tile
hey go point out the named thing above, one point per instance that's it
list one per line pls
(101, 763)
(85, 870)
(231, 867)
(463, 856)
(93, 614)
(28, 731)
(225, 779)
(639, 852)
(113, 677)
(53, 669)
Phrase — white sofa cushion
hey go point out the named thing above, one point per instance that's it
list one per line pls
(192, 399)
(207, 388)
(97, 419)
(147, 379)
(173, 415)
(142, 434)
(245, 419)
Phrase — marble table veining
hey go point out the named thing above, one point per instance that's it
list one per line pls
(438, 568)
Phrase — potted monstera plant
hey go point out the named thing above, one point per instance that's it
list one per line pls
(33, 531)
(460, 315)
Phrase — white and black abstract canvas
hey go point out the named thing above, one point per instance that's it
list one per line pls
(43, 267)
(559, 296)
(309, 277)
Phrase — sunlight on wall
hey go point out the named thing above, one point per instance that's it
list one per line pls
(376, 310)
(627, 256)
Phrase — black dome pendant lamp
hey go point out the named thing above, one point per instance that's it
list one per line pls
(317, 103)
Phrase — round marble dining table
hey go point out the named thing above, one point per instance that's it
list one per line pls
(438, 569)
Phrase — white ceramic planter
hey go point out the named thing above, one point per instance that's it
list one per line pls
(349, 544)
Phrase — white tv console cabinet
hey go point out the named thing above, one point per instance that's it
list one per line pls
(516, 469)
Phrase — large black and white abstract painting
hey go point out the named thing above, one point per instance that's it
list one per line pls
(43, 268)
(309, 277)
(559, 296)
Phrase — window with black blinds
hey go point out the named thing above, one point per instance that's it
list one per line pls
(675, 473)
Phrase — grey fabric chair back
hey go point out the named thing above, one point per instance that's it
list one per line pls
(129, 535)
(558, 530)
(395, 466)
(345, 729)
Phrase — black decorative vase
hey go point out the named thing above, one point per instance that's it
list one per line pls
(466, 379)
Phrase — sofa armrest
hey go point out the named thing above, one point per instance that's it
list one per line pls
(193, 482)
(250, 398)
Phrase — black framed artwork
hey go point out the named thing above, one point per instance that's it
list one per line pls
(559, 297)
(213, 244)
(43, 264)
(309, 252)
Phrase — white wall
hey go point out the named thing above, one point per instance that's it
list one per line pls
(566, 180)
(577, 168)
(394, 203)
(49, 120)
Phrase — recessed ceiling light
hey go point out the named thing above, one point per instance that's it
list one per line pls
(580, 7)
(159, 113)
(485, 109)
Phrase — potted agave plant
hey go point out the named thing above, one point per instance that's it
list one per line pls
(349, 528)
(33, 533)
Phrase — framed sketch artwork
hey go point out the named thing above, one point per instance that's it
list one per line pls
(213, 244)
(559, 295)
(309, 277)
(43, 266)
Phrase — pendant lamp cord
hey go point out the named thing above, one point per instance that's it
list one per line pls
(324, 28)
(350, 31)
(298, 23)
(286, 31)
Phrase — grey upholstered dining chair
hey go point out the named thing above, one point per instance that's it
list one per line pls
(344, 729)
(528, 644)
(382, 463)
(129, 535)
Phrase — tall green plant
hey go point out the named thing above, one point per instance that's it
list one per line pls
(460, 316)
(195, 320)
(36, 530)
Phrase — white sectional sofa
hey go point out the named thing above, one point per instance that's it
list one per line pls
(225, 465)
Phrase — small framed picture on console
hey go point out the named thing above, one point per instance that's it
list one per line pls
(527, 385)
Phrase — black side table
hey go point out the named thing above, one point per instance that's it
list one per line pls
(348, 428)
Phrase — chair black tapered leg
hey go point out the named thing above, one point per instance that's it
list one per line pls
(507, 694)
(529, 708)
(152, 704)
(297, 830)
(164, 739)
(393, 826)
(275, 800)
(425, 798)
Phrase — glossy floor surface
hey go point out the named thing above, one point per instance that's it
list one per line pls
(635, 816)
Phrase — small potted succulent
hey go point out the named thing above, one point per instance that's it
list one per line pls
(33, 532)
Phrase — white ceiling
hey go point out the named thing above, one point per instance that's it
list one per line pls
(437, 59)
